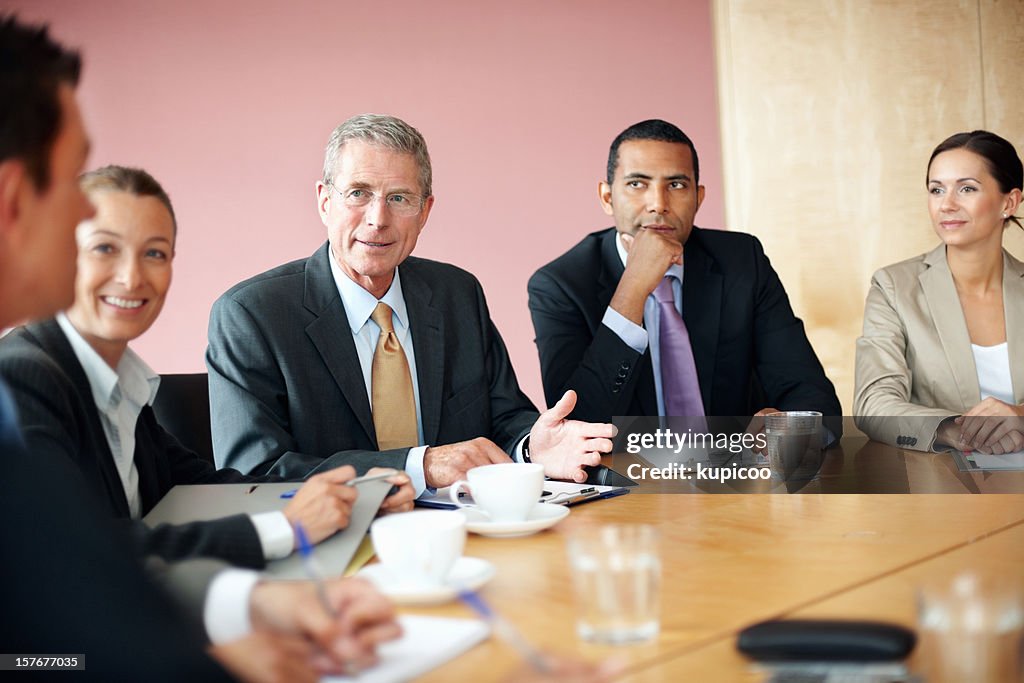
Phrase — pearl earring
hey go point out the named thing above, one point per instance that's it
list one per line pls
(1004, 215)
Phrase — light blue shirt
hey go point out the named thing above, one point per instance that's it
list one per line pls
(640, 338)
(119, 397)
(359, 305)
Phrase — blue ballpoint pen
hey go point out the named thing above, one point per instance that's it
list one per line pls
(506, 631)
(313, 569)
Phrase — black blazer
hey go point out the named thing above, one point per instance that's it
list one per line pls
(69, 583)
(286, 390)
(58, 415)
(750, 350)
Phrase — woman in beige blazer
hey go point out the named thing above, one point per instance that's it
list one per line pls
(941, 361)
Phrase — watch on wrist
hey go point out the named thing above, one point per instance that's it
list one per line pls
(526, 449)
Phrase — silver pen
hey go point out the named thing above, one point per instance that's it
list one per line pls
(506, 631)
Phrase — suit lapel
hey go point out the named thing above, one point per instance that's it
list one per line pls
(1013, 305)
(608, 279)
(950, 326)
(52, 340)
(427, 326)
(610, 274)
(702, 310)
(332, 337)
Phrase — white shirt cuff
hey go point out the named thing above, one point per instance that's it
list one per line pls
(226, 610)
(414, 468)
(634, 336)
(276, 535)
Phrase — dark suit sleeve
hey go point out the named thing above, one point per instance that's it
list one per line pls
(232, 539)
(75, 586)
(577, 353)
(188, 583)
(249, 405)
(789, 371)
(49, 414)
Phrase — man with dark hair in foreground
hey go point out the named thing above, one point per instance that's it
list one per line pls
(71, 586)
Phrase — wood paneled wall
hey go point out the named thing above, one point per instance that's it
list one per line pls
(830, 110)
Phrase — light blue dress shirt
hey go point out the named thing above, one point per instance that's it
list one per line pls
(359, 305)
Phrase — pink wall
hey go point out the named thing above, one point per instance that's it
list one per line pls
(229, 105)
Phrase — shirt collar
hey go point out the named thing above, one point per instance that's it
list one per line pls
(674, 269)
(359, 303)
(133, 379)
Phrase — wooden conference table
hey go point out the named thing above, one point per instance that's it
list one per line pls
(732, 559)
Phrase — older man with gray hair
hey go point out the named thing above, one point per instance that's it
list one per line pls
(362, 354)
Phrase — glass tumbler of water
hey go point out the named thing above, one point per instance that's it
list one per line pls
(971, 628)
(794, 439)
(617, 578)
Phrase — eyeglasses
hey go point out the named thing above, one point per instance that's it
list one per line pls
(398, 203)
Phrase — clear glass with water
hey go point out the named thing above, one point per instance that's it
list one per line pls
(971, 628)
(617, 578)
(794, 441)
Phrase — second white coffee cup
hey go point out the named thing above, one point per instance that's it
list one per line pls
(506, 492)
(419, 548)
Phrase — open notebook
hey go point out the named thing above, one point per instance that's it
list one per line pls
(426, 643)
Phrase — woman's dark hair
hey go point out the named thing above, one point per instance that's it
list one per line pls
(999, 155)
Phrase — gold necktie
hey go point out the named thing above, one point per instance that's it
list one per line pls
(394, 407)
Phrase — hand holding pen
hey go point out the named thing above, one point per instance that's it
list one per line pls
(347, 618)
(323, 505)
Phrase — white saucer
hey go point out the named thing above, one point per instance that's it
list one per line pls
(543, 516)
(469, 573)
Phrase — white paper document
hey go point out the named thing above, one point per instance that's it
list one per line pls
(557, 492)
(426, 643)
(1007, 461)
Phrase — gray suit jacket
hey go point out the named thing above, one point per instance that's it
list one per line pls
(915, 366)
(286, 390)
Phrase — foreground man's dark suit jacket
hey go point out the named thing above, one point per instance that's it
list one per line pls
(286, 390)
(70, 583)
(58, 416)
(750, 350)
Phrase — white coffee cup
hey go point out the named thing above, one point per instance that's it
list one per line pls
(419, 548)
(505, 492)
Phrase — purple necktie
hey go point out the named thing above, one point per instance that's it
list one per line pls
(679, 385)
